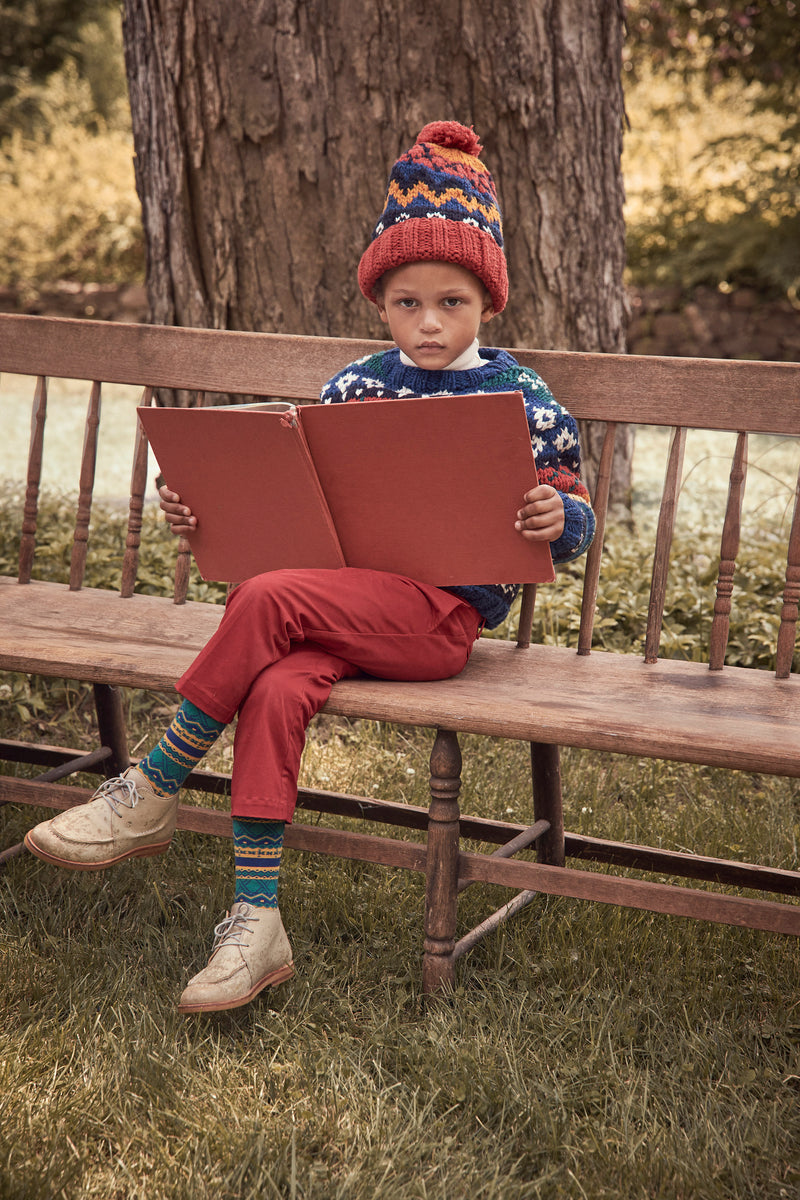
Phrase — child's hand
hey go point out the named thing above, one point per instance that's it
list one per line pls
(542, 518)
(178, 516)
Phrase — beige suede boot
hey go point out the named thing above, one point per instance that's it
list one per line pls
(251, 952)
(124, 819)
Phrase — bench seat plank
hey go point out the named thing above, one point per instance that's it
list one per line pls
(100, 636)
(735, 718)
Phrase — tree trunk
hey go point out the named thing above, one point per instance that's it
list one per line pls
(264, 134)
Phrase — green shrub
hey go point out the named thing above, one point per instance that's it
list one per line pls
(106, 547)
(68, 208)
(713, 186)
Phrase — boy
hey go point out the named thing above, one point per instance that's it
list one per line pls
(436, 271)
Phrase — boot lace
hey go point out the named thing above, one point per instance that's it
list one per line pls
(118, 791)
(231, 929)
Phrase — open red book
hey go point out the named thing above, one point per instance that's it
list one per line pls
(425, 488)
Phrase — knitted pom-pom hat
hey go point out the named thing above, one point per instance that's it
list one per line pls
(441, 205)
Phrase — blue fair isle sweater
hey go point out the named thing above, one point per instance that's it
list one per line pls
(554, 436)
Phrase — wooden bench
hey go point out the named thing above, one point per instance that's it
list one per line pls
(651, 706)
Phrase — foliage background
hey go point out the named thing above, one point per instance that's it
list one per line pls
(713, 153)
(712, 158)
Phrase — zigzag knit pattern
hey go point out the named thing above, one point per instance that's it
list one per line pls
(191, 734)
(437, 180)
(554, 437)
(257, 848)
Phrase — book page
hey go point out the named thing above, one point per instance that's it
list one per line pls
(249, 480)
(430, 488)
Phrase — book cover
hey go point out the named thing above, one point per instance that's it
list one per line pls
(427, 488)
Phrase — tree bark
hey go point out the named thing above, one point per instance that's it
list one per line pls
(265, 130)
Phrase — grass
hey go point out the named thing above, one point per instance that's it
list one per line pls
(588, 1051)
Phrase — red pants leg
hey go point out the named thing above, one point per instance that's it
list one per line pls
(271, 730)
(344, 621)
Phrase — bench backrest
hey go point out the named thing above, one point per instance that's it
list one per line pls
(739, 396)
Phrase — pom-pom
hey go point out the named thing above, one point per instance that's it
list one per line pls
(452, 135)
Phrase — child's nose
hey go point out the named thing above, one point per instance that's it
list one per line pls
(430, 319)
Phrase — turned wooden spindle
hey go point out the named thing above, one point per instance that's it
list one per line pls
(787, 632)
(30, 513)
(664, 532)
(183, 564)
(130, 562)
(526, 610)
(441, 892)
(728, 550)
(80, 539)
(594, 557)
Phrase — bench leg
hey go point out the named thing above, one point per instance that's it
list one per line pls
(441, 891)
(547, 806)
(111, 727)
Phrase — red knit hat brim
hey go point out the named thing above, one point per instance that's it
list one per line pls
(436, 239)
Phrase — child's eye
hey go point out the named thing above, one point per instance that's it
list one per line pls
(407, 302)
(452, 301)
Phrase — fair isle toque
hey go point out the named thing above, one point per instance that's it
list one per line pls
(441, 205)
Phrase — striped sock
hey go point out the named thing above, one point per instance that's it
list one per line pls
(257, 847)
(190, 735)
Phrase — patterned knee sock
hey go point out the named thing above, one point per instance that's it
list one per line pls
(257, 847)
(190, 735)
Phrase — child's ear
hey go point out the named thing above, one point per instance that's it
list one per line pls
(379, 304)
(487, 312)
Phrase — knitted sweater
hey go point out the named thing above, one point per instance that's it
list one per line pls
(554, 437)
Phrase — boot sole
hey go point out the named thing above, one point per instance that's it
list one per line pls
(54, 860)
(271, 980)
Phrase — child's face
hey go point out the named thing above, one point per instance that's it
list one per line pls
(434, 310)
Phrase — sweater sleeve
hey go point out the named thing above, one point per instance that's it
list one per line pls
(554, 437)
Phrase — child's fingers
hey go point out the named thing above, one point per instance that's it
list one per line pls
(542, 517)
(178, 515)
(181, 519)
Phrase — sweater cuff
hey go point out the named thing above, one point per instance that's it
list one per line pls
(579, 525)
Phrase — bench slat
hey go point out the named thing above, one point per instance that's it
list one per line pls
(610, 387)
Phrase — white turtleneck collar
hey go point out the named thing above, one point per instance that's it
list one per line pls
(468, 361)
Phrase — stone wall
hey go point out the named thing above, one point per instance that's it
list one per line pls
(713, 324)
(710, 324)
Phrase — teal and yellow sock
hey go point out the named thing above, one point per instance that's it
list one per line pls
(257, 847)
(191, 734)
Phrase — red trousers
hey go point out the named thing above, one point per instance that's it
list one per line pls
(286, 637)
